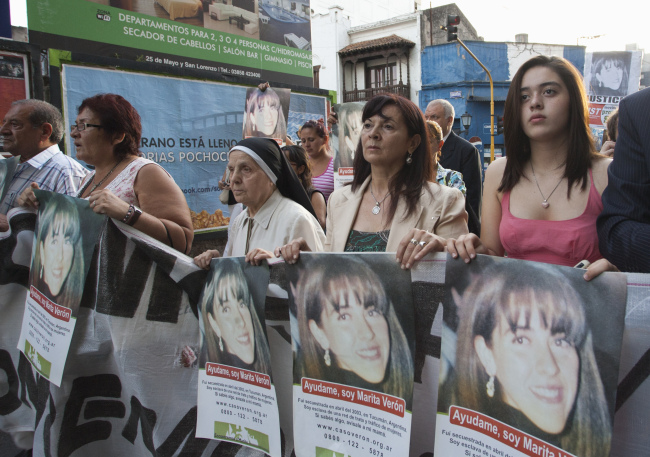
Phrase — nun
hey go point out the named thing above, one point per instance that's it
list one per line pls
(278, 209)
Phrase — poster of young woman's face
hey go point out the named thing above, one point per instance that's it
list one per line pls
(232, 315)
(609, 74)
(354, 317)
(266, 113)
(65, 236)
(537, 348)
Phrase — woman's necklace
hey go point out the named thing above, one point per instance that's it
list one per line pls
(377, 207)
(104, 178)
(545, 203)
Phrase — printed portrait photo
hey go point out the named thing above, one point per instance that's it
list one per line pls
(232, 316)
(65, 237)
(610, 73)
(266, 113)
(536, 347)
(347, 132)
(354, 321)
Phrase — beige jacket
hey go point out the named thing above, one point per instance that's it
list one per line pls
(441, 212)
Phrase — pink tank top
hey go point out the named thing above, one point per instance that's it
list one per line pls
(325, 181)
(557, 242)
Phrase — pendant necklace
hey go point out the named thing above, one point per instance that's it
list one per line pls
(377, 207)
(545, 203)
(104, 178)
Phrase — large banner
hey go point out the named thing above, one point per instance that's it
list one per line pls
(269, 40)
(188, 126)
(130, 382)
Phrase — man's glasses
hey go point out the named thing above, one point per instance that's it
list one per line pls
(83, 126)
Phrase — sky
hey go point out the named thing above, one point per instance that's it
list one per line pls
(600, 25)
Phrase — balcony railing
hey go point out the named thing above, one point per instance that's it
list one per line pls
(362, 95)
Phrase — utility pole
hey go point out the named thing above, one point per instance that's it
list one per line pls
(452, 35)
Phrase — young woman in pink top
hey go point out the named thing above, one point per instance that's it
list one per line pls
(541, 202)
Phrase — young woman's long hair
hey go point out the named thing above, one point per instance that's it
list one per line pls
(256, 101)
(411, 179)
(60, 216)
(229, 276)
(508, 291)
(319, 286)
(581, 144)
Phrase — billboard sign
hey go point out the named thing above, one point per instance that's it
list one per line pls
(249, 38)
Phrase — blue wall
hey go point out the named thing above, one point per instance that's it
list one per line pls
(448, 68)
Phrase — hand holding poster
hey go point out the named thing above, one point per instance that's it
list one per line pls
(534, 371)
(60, 259)
(353, 369)
(236, 397)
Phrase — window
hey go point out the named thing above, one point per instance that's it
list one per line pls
(382, 75)
(316, 69)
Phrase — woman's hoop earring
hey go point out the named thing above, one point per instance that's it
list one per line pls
(220, 344)
(490, 387)
(409, 159)
(328, 359)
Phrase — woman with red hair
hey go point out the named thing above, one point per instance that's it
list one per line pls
(124, 185)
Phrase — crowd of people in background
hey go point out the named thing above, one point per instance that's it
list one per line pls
(417, 186)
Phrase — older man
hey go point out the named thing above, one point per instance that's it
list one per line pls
(458, 154)
(278, 209)
(31, 130)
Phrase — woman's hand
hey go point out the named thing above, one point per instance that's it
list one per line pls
(291, 252)
(203, 260)
(332, 118)
(608, 148)
(598, 267)
(106, 202)
(28, 198)
(415, 245)
(256, 255)
(466, 247)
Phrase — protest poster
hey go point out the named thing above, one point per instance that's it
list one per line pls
(610, 76)
(236, 394)
(353, 362)
(531, 368)
(7, 170)
(266, 113)
(60, 259)
(346, 134)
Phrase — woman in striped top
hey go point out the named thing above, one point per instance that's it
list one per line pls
(315, 141)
